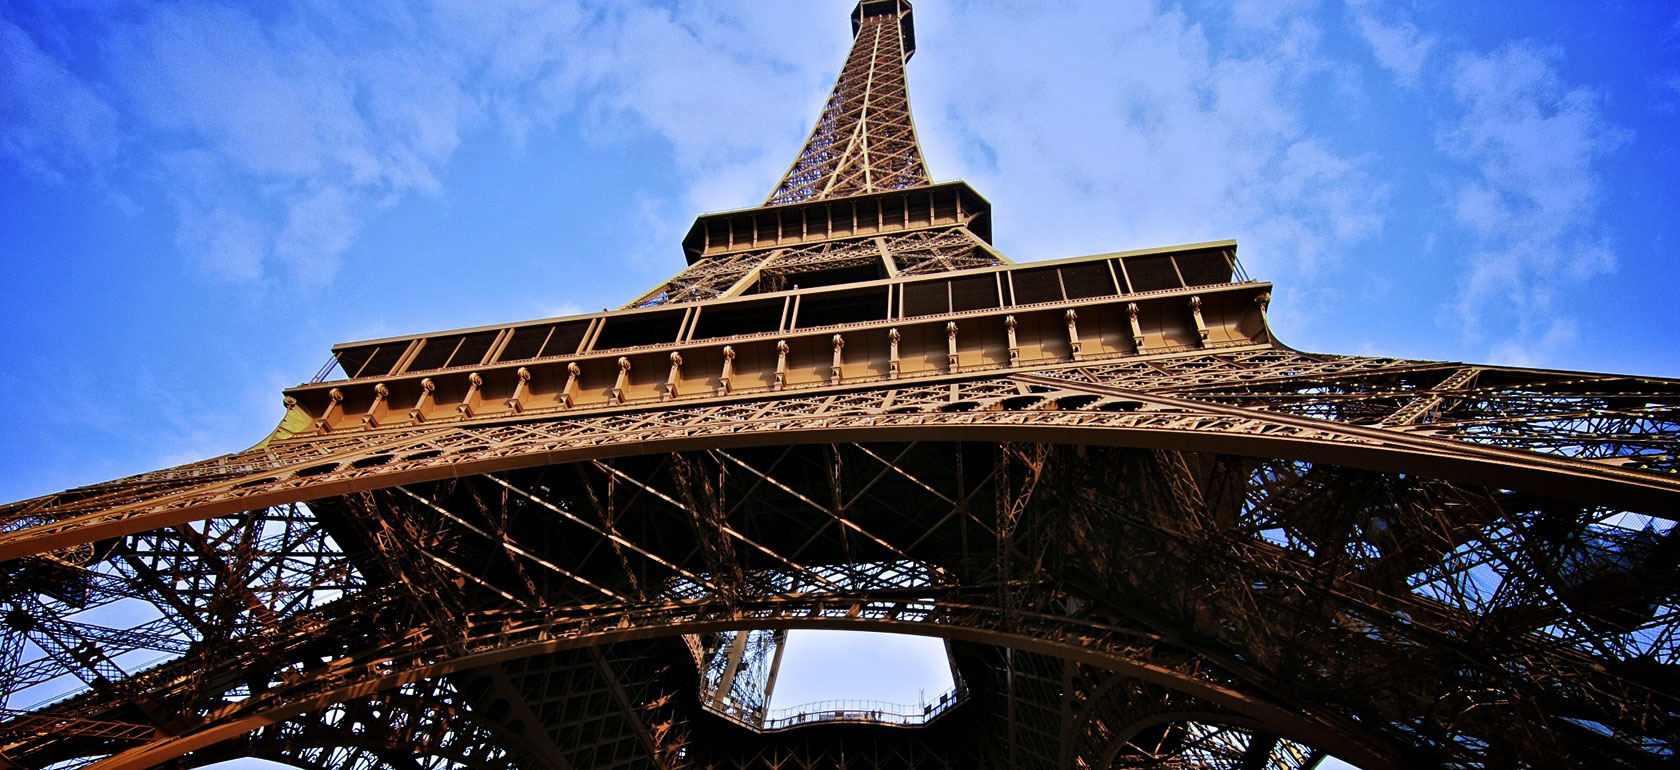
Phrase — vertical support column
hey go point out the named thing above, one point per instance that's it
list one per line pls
(516, 402)
(951, 345)
(335, 405)
(674, 378)
(474, 383)
(381, 394)
(731, 668)
(623, 383)
(728, 376)
(1014, 347)
(781, 365)
(1196, 316)
(779, 639)
(834, 376)
(425, 403)
(1137, 328)
(568, 395)
(892, 353)
(1074, 345)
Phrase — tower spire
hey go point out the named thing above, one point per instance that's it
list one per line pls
(864, 140)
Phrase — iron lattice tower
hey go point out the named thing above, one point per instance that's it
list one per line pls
(1152, 535)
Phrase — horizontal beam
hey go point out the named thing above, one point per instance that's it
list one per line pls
(994, 410)
(903, 346)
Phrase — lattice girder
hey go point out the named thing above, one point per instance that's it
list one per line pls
(921, 252)
(864, 140)
(422, 725)
(1276, 531)
(1123, 413)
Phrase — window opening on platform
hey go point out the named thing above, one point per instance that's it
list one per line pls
(738, 319)
(1088, 280)
(1204, 268)
(472, 349)
(434, 353)
(633, 331)
(565, 339)
(526, 342)
(926, 298)
(384, 359)
(774, 279)
(1152, 273)
(353, 359)
(371, 360)
(978, 292)
(1037, 285)
(452, 350)
(816, 310)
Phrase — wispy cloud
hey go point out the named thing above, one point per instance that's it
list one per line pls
(1532, 144)
(1399, 46)
(278, 131)
(1130, 127)
(227, 243)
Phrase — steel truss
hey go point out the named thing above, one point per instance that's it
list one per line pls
(864, 140)
(1447, 621)
(923, 252)
(1169, 543)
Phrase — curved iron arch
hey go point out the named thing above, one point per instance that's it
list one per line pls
(393, 458)
(1344, 739)
(730, 617)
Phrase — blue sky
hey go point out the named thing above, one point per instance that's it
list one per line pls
(198, 198)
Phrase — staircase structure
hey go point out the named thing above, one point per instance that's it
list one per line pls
(1151, 534)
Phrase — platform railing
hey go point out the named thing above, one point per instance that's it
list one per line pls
(843, 711)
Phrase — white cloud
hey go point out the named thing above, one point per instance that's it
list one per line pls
(287, 127)
(560, 310)
(318, 227)
(1529, 201)
(1532, 137)
(290, 129)
(227, 243)
(1540, 349)
(1400, 47)
(718, 135)
(1125, 127)
(289, 137)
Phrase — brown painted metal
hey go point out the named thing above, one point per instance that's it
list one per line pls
(864, 141)
(1152, 535)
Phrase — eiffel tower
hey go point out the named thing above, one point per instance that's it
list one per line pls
(1150, 534)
